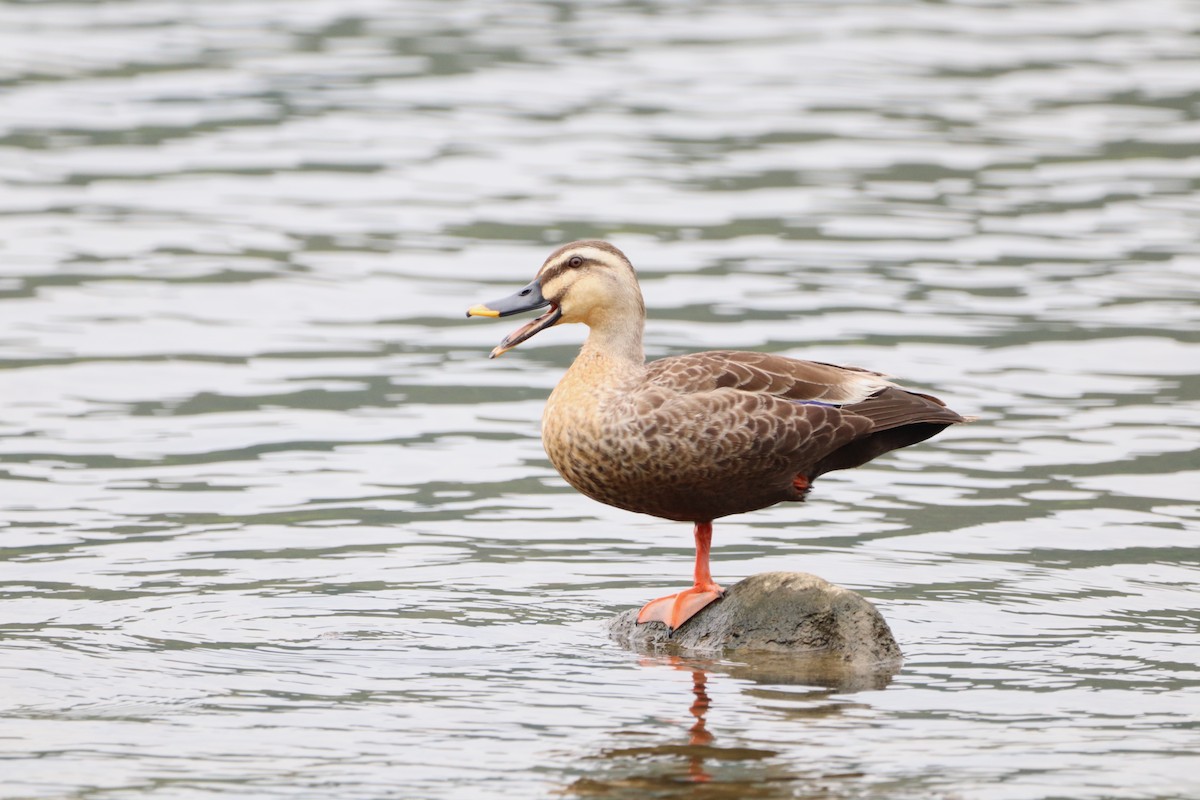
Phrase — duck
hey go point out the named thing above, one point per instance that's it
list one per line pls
(695, 437)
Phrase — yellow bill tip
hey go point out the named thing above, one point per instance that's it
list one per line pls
(481, 311)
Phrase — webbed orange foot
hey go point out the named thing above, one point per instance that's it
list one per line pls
(676, 609)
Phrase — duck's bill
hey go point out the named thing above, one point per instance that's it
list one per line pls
(527, 299)
(527, 331)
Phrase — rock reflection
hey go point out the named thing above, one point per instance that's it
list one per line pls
(704, 768)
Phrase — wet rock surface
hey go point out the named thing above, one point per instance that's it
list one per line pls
(790, 613)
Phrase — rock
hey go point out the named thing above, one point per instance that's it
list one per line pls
(778, 613)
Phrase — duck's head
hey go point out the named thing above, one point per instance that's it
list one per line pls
(588, 281)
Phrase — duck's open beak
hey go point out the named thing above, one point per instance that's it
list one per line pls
(527, 299)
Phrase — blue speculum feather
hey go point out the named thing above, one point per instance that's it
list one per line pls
(815, 403)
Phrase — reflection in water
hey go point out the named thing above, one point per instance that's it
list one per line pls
(699, 730)
(681, 770)
(702, 769)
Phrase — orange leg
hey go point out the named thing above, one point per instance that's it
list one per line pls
(676, 609)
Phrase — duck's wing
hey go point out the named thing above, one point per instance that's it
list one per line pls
(762, 373)
(818, 417)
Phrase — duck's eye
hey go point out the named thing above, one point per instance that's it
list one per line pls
(575, 261)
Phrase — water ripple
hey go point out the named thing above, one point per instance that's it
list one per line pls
(273, 523)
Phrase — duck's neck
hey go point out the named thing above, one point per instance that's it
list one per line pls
(614, 347)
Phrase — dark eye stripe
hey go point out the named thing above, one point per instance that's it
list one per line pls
(562, 266)
(561, 262)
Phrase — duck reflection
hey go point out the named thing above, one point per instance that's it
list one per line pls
(710, 766)
(699, 730)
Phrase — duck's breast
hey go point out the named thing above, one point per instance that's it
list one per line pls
(679, 457)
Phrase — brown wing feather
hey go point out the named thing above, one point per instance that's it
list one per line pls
(898, 418)
(779, 376)
(894, 406)
(784, 427)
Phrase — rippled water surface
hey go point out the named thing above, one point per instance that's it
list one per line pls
(273, 525)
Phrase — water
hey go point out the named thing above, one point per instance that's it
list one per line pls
(273, 525)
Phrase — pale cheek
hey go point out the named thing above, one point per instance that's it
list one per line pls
(580, 302)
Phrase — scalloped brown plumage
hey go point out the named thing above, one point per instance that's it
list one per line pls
(700, 436)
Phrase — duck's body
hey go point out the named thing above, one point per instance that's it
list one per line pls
(702, 436)
(699, 437)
